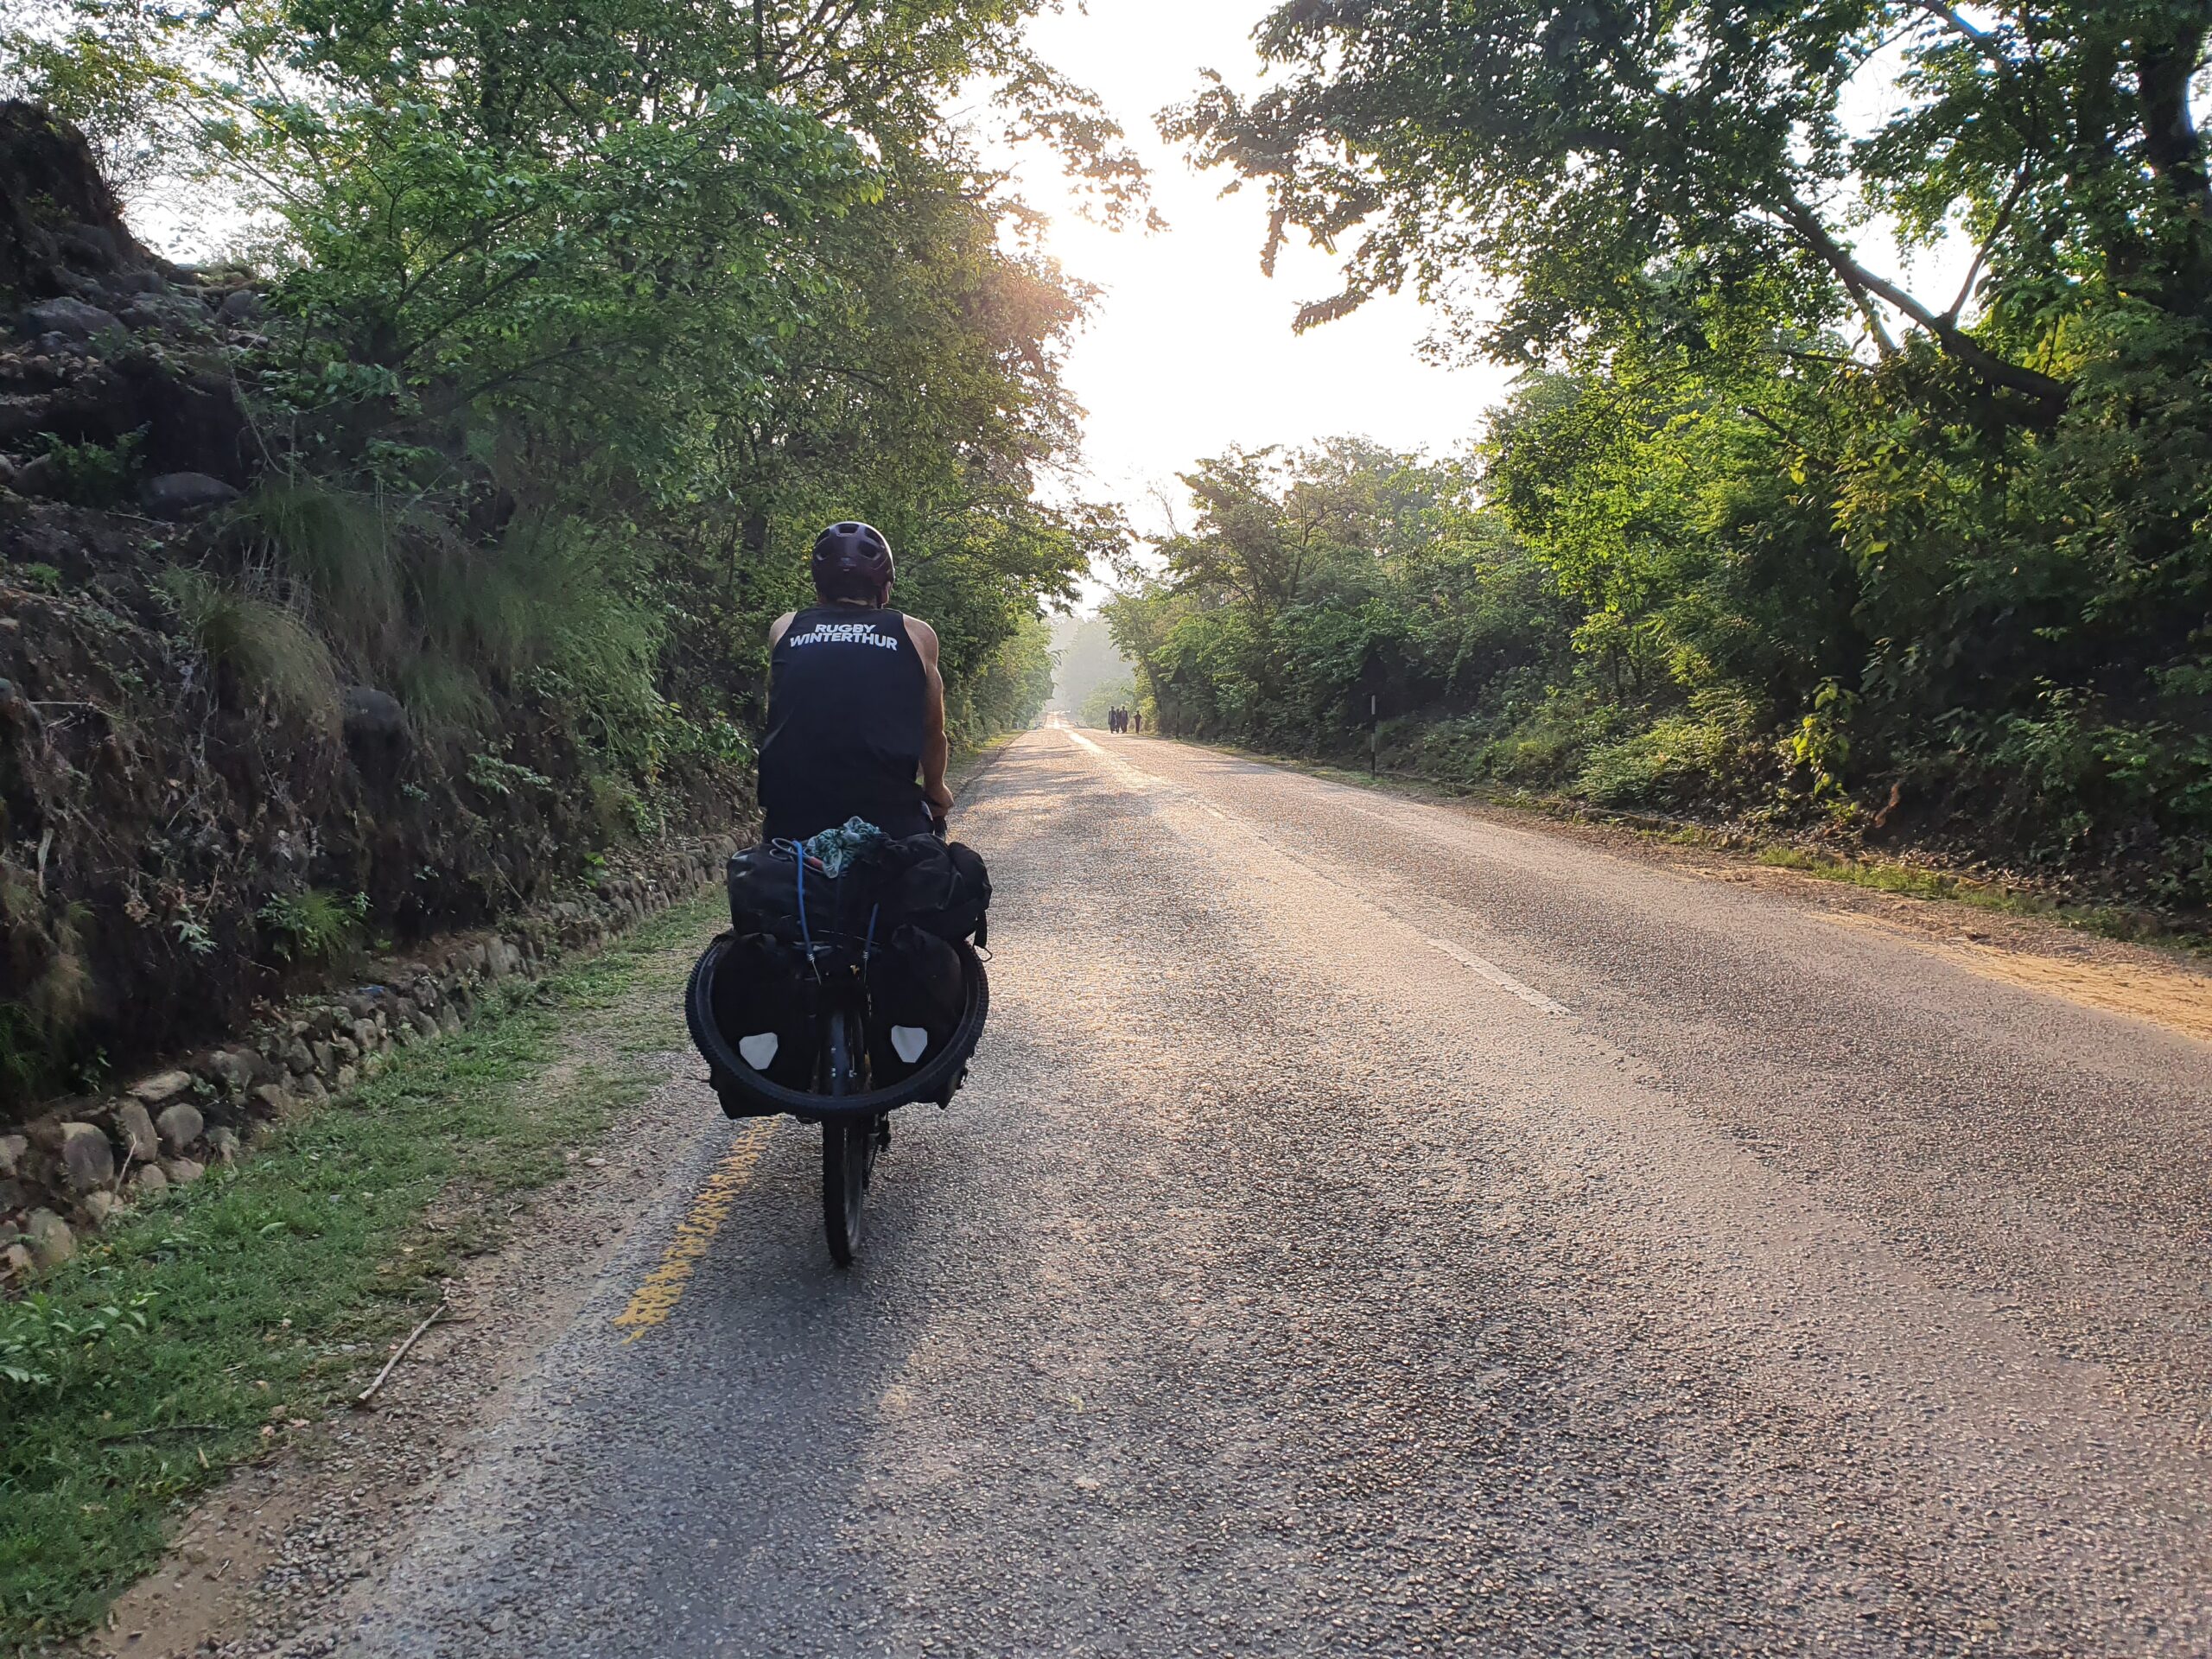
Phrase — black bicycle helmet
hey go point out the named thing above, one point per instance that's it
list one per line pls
(852, 560)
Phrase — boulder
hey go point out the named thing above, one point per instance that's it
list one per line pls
(185, 495)
(50, 185)
(239, 305)
(14, 1149)
(49, 1238)
(91, 246)
(87, 1158)
(15, 1261)
(374, 716)
(66, 316)
(183, 1172)
(158, 1091)
(270, 1100)
(235, 1068)
(134, 1129)
(180, 1126)
(100, 1208)
(223, 1145)
(148, 1178)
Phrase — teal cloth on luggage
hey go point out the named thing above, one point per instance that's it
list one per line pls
(841, 847)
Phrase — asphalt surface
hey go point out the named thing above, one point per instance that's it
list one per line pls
(1376, 1230)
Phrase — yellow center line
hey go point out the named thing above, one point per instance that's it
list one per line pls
(663, 1289)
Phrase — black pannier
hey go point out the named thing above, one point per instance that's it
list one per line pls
(764, 1005)
(916, 994)
(945, 890)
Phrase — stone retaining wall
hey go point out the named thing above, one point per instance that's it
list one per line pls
(79, 1166)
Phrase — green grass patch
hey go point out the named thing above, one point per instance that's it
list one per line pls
(188, 1338)
(2111, 921)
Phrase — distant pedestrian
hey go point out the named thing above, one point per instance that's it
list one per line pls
(1136, 722)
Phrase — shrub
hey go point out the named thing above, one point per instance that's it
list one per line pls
(1671, 761)
(313, 926)
(270, 649)
(336, 545)
(93, 474)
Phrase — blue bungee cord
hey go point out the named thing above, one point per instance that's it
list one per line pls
(799, 863)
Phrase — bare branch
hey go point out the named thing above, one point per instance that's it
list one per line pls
(2042, 389)
(1981, 253)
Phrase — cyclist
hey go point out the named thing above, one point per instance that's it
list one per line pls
(855, 702)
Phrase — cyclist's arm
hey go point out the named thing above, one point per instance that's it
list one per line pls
(936, 749)
(779, 627)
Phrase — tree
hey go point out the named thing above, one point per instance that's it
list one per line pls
(1548, 157)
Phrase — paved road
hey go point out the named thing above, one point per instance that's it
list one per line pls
(1374, 1229)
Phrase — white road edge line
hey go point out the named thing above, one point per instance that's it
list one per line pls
(1497, 976)
(1476, 965)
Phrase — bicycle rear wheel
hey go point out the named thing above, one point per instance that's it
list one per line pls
(848, 1146)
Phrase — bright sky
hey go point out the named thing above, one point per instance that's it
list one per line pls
(1191, 349)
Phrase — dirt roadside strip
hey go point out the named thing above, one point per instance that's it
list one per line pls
(269, 1293)
(251, 1566)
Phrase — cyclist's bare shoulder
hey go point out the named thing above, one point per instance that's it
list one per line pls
(779, 627)
(925, 638)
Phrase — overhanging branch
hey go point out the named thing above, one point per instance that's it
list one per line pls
(2039, 388)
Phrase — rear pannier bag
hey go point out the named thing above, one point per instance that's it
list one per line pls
(764, 1008)
(916, 993)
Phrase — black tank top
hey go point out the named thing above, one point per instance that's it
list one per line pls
(846, 691)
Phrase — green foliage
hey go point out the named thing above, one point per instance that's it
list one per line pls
(1006, 691)
(579, 334)
(498, 777)
(1945, 555)
(44, 1343)
(270, 649)
(1103, 698)
(94, 475)
(335, 544)
(313, 925)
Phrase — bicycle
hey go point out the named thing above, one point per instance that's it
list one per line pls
(855, 1114)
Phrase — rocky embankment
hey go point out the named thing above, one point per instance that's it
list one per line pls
(210, 794)
(75, 1166)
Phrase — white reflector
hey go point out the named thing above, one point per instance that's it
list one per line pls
(759, 1049)
(907, 1042)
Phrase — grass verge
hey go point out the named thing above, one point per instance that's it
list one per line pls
(209, 1325)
